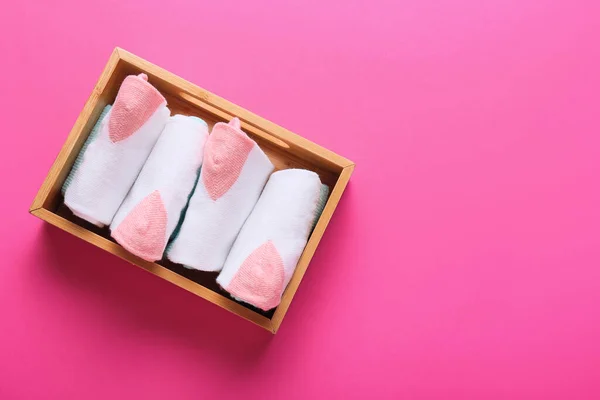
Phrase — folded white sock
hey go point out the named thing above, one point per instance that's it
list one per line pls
(233, 175)
(151, 210)
(113, 160)
(264, 255)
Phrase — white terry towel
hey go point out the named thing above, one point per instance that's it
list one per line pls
(91, 137)
(152, 209)
(264, 255)
(113, 160)
(233, 175)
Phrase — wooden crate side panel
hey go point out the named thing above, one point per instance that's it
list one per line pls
(47, 194)
(251, 122)
(285, 148)
(311, 246)
(154, 268)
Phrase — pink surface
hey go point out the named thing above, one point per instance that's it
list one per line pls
(462, 262)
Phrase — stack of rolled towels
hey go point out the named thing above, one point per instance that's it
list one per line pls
(211, 202)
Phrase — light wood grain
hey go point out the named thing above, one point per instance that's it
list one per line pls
(311, 247)
(91, 111)
(282, 156)
(153, 268)
(170, 83)
(285, 149)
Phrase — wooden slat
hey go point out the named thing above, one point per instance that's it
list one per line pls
(311, 246)
(62, 164)
(226, 110)
(153, 268)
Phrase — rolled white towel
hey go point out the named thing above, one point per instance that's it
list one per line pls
(152, 209)
(233, 175)
(113, 160)
(266, 252)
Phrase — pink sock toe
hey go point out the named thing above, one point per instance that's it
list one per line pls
(259, 280)
(225, 153)
(136, 101)
(143, 231)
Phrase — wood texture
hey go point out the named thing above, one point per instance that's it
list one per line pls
(284, 148)
(225, 110)
(154, 268)
(91, 111)
(311, 247)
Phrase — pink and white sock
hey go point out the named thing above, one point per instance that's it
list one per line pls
(233, 175)
(152, 209)
(266, 252)
(113, 160)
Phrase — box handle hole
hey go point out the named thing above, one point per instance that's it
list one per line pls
(251, 129)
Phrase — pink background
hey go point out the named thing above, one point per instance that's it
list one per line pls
(462, 262)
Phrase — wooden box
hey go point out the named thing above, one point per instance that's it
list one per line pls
(285, 149)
